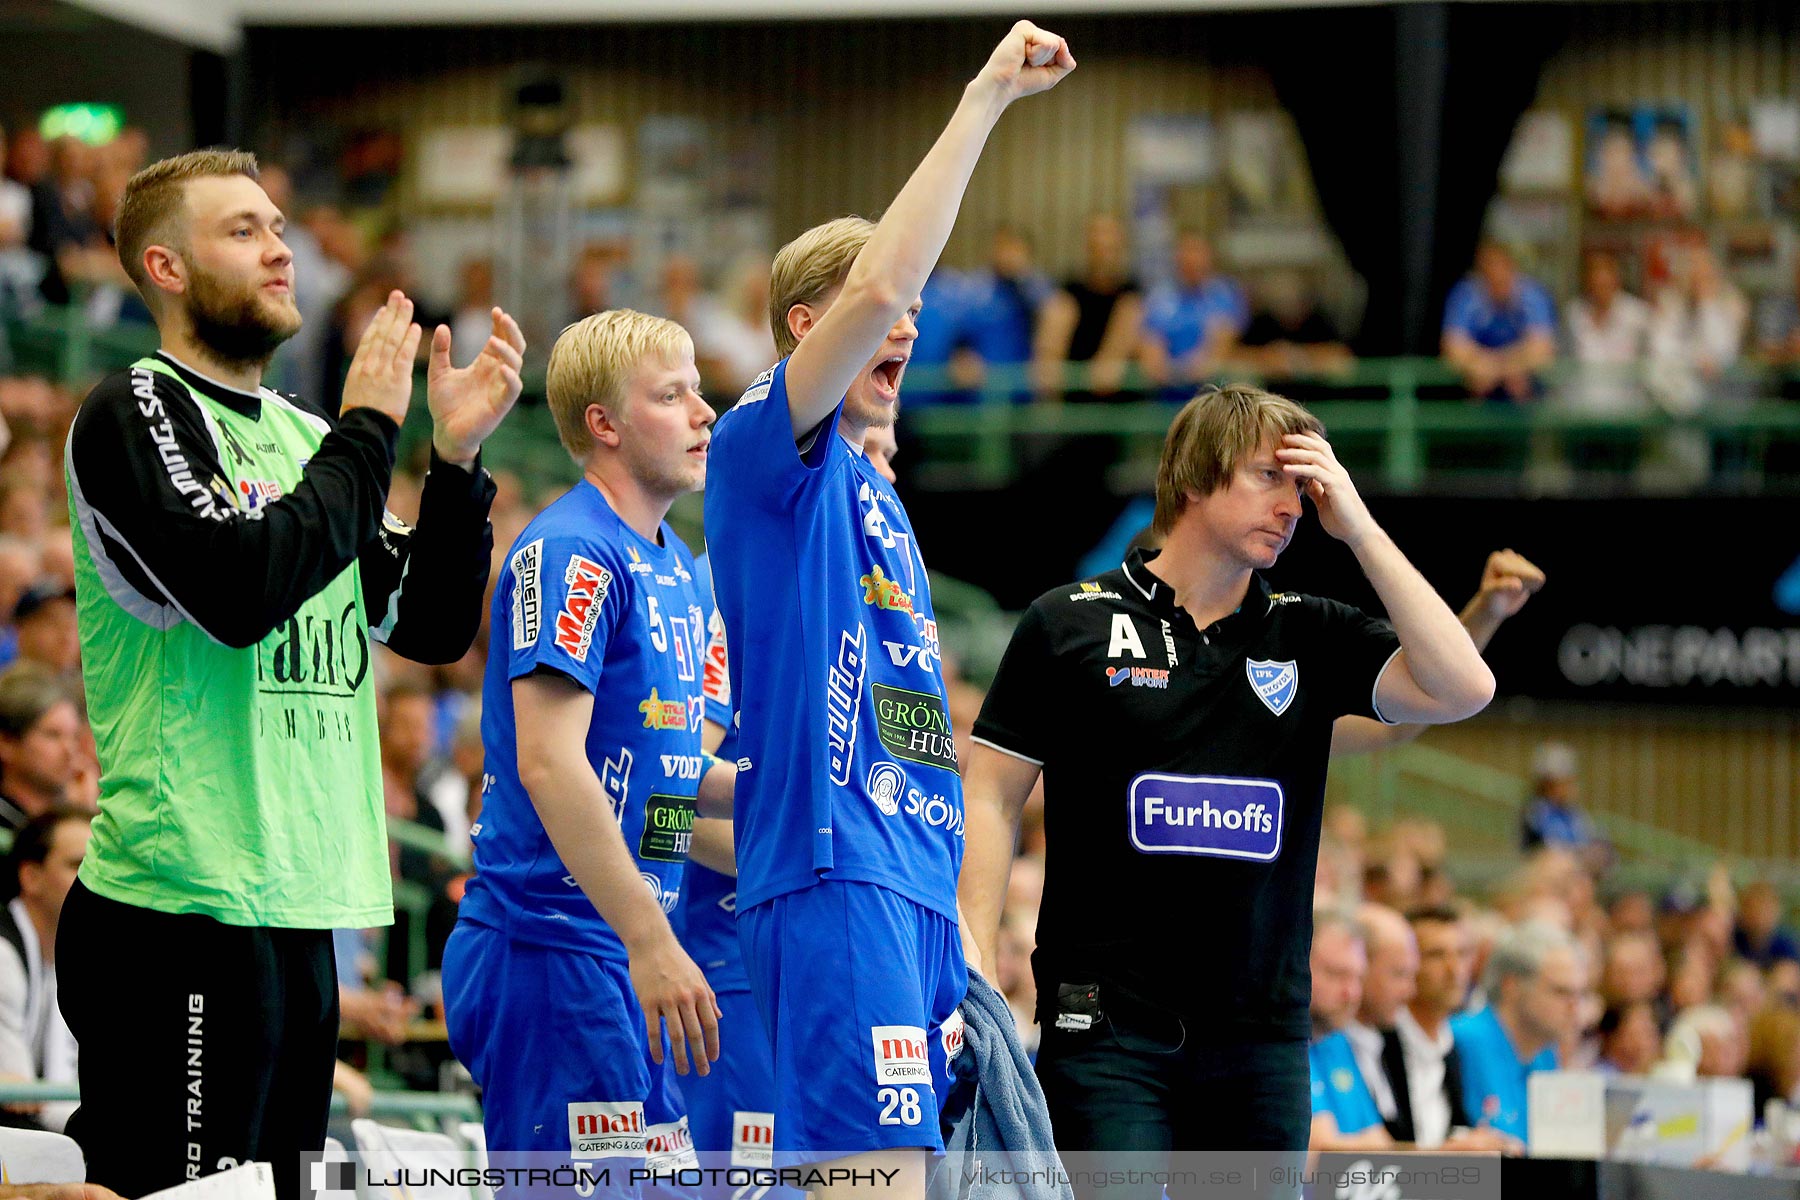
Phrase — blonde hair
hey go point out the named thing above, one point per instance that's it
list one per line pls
(154, 197)
(808, 267)
(592, 360)
(1212, 435)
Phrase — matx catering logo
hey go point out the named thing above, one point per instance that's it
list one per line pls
(587, 581)
(607, 1130)
(900, 1054)
(752, 1139)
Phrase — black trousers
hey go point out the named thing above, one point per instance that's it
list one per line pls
(1141, 1082)
(203, 1045)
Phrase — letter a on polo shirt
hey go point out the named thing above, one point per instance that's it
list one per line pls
(1124, 638)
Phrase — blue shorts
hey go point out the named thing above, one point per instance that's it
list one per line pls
(556, 1040)
(858, 988)
(732, 1109)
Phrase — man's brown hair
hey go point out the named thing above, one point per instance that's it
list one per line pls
(808, 267)
(1211, 437)
(154, 198)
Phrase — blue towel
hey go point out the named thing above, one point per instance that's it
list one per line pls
(996, 1117)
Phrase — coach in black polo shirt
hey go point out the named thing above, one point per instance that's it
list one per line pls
(1181, 714)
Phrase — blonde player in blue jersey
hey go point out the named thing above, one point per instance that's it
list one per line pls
(849, 806)
(566, 993)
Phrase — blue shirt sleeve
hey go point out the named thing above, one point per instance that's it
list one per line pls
(755, 457)
(1459, 309)
(567, 601)
(1540, 309)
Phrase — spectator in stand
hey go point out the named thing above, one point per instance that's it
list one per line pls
(320, 281)
(1001, 307)
(1704, 1042)
(591, 282)
(1499, 328)
(21, 562)
(940, 325)
(1339, 962)
(1192, 323)
(1535, 982)
(45, 628)
(1553, 816)
(1633, 971)
(63, 230)
(739, 343)
(1630, 1039)
(473, 315)
(1609, 339)
(1782, 981)
(405, 717)
(40, 744)
(1345, 1115)
(1760, 935)
(20, 269)
(1093, 319)
(1433, 1064)
(39, 869)
(1697, 331)
(1290, 336)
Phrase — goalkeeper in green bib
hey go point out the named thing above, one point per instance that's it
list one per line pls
(235, 565)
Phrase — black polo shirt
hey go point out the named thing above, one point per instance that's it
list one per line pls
(1184, 780)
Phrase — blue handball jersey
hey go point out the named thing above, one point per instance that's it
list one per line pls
(847, 769)
(585, 595)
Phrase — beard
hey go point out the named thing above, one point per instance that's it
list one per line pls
(236, 326)
(868, 410)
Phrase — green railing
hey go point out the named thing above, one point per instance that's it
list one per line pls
(1392, 425)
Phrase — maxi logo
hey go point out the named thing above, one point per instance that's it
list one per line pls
(1211, 816)
(843, 701)
(668, 829)
(587, 581)
(915, 726)
(715, 678)
(527, 596)
(1275, 683)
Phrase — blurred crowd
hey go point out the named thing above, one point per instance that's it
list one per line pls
(1700, 981)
